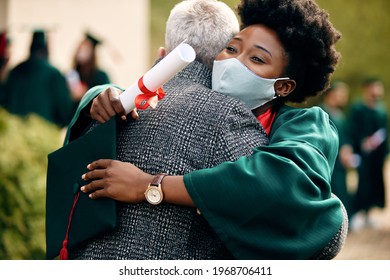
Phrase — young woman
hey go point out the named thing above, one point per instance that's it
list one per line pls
(276, 203)
(86, 73)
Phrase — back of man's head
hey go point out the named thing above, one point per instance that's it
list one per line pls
(206, 25)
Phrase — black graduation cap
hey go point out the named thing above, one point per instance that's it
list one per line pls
(71, 216)
(92, 39)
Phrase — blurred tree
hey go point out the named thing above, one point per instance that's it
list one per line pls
(24, 144)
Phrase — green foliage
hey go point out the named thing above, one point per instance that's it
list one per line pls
(24, 145)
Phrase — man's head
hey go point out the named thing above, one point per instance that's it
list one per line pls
(336, 96)
(373, 90)
(206, 25)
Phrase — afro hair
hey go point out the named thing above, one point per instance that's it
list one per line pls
(307, 36)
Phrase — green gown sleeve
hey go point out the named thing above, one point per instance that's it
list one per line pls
(81, 118)
(275, 204)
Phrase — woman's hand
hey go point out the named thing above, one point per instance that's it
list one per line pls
(125, 182)
(116, 180)
(107, 104)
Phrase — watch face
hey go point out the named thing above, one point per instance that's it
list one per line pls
(154, 195)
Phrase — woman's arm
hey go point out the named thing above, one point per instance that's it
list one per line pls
(127, 183)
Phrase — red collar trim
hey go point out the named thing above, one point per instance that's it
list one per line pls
(266, 119)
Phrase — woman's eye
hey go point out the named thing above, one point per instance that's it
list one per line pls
(230, 49)
(257, 60)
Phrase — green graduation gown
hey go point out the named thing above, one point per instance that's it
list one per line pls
(2, 94)
(100, 78)
(35, 86)
(80, 121)
(339, 176)
(363, 122)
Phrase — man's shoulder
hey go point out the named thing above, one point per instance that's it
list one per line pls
(195, 93)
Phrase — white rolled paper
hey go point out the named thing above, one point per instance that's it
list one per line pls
(157, 76)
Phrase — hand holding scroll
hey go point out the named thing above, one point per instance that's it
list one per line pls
(107, 104)
(146, 91)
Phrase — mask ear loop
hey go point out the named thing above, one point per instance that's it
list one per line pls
(279, 79)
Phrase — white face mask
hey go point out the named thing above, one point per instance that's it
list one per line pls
(233, 78)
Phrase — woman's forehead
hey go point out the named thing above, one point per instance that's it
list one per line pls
(260, 35)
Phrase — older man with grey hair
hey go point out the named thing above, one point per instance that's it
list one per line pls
(207, 27)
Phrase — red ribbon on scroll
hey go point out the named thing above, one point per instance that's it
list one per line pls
(147, 98)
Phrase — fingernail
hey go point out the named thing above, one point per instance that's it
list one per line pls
(89, 166)
(83, 176)
(82, 189)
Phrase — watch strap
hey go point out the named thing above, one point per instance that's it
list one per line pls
(157, 179)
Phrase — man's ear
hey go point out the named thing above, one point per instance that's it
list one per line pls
(284, 87)
(161, 52)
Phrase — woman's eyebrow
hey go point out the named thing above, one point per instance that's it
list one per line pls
(256, 46)
(264, 49)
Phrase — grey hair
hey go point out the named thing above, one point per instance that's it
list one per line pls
(206, 25)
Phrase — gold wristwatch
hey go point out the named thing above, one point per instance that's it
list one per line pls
(154, 194)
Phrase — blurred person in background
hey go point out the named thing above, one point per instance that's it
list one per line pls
(36, 86)
(334, 102)
(4, 58)
(368, 132)
(86, 73)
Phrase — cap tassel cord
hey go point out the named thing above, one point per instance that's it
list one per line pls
(64, 250)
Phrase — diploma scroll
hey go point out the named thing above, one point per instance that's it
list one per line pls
(152, 80)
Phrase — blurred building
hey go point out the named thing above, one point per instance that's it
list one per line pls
(122, 25)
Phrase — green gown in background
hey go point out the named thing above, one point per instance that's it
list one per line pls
(2, 94)
(35, 86)
(363, 122)
(339, 176)
(100, 77)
